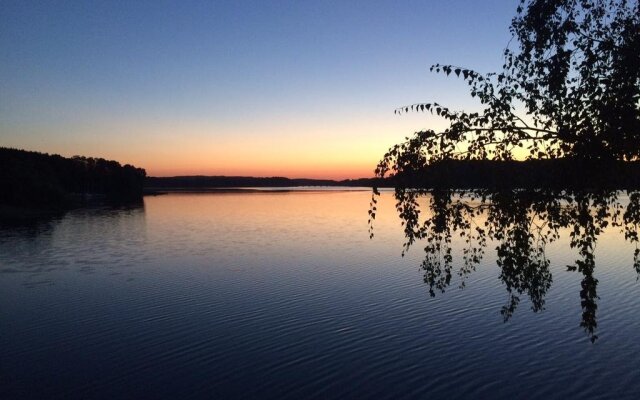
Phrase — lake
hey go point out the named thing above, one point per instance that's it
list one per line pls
(283, 295)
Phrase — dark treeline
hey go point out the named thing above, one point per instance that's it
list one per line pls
(203, 182)
(32, 179)
(562, 173)
(450, 174)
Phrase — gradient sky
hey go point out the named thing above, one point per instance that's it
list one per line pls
(263, 88)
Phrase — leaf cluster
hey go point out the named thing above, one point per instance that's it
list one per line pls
(570, 87)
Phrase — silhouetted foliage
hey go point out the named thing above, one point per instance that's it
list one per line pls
(32, 179)
(568, 100)
(571, 89)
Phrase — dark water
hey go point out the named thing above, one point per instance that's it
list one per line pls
(283, 295)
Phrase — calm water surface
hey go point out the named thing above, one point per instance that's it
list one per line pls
(283, 295)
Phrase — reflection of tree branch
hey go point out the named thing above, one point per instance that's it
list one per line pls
(523, 223)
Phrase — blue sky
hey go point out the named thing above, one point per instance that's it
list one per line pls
(235, 87)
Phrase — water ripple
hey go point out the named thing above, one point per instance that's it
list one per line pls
(283, 296)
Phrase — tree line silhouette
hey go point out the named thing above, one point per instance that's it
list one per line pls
(198, 182)
(33, 179)
(560, 174)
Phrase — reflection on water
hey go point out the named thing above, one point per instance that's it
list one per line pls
(521, 223)
(83, 240)
(283, 295)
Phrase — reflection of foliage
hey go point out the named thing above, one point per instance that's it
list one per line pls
(522, 223)
(631, 220)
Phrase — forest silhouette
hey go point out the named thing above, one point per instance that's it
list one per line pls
(38, 180)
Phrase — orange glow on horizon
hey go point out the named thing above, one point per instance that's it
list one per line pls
(334, 172)
(293, 147)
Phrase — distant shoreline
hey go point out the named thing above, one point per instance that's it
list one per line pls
(208, 183)
(38, 183)
(152, 191)
(571, 174)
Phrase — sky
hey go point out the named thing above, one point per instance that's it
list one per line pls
(260, 88)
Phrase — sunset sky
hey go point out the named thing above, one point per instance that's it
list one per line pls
(262, 88)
